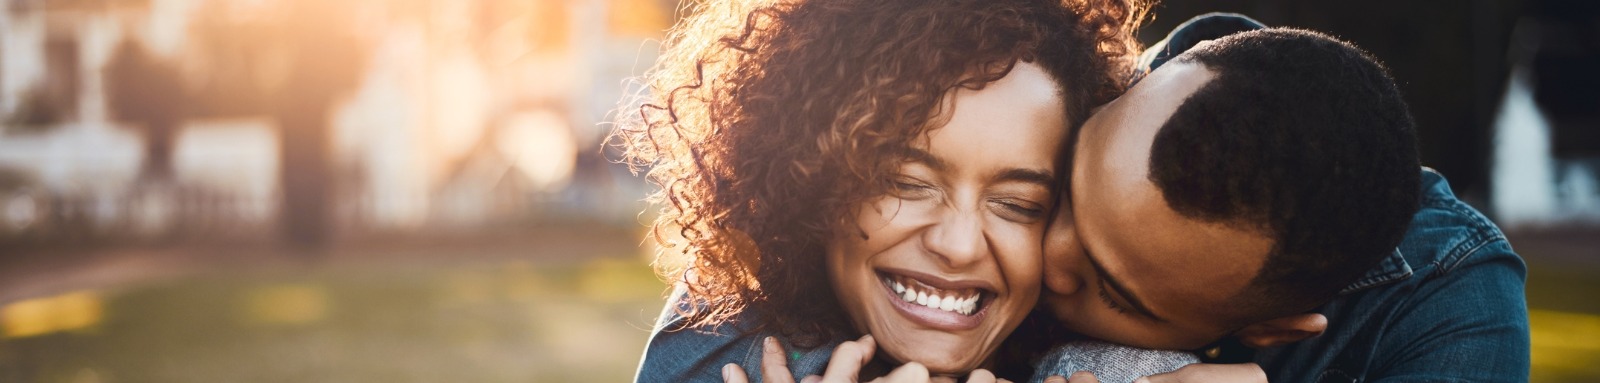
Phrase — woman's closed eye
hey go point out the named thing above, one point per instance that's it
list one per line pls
(912, 189)
(1018, 210)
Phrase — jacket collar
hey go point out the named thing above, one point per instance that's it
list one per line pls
(1393, 268)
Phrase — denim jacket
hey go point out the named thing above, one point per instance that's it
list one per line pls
(680, 354)
(1446, 306)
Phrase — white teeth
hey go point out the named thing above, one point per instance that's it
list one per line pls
(910, 293)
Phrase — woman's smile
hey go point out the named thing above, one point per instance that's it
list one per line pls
(957, 306)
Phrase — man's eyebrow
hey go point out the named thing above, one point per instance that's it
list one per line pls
(919, 155)
(1138, 306)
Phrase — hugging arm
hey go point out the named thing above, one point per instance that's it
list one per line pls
(1469, 325)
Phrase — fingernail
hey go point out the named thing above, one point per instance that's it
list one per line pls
(866, 338)
(1142, 379)
(811, 379)
(727, 370)
(769, 345)
(1082, 374)
(1055, 379)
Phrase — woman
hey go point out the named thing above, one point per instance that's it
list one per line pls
(832, 168)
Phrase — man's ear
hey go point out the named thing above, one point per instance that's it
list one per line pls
(1282, 330)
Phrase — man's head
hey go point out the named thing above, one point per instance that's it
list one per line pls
(1231, 191)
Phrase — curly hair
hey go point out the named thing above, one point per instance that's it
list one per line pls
(764, 124)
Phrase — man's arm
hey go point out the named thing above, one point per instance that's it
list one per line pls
(1469, 324)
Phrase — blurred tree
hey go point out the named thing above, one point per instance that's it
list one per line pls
(292, 61)
(325, 63)
(147, 92)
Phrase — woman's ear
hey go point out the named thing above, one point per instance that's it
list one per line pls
(1282, 330)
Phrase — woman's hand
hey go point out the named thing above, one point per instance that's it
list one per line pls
(1194, 373)
(844, 366)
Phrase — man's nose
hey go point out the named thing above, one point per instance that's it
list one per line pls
(1064, 264)
(958, 239)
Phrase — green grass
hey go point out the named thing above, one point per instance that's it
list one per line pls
(501, 322)
(467, 321)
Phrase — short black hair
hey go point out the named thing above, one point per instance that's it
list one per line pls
(1301, 137)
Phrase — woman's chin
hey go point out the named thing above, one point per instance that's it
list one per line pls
(959, 360)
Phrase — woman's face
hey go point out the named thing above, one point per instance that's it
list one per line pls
(951, 259)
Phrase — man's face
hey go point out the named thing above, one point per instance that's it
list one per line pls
(1120, 264)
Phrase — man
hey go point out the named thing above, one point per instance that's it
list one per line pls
(1262, 189)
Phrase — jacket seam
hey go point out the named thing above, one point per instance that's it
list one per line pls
(1479, 235)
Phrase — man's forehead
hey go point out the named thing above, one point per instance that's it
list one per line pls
(1160, 93)
(1173, 260)
(1186, 253)
(1119, 137)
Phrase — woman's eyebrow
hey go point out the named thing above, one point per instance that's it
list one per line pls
(922, 156)
(1042, 177)
(1036, 176)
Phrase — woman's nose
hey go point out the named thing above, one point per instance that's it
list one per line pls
(958, 239)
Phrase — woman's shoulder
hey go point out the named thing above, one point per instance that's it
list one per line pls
(677, 352)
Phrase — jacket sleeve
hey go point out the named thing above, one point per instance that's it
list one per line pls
(1469, 323)
(678, 353)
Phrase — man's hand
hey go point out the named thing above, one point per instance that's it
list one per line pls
(843, 367)
(1194, 373)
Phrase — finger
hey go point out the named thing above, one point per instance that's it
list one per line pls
(845, 365)
(980, 376)
(774, 363)
(731, 373)
(909, 373)
(1082, 377)
(812, 379)
(1055, 379)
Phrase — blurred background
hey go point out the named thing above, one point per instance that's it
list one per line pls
(415, 190)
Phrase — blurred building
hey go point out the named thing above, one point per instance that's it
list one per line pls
(1547, 137)
(1504, 92)
(198, 118)
(307, 120)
